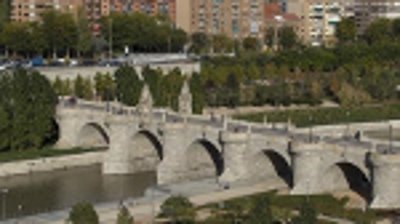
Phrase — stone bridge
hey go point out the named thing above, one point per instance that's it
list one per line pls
(181, 146)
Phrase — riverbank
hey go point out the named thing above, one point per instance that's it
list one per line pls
(50, 163)
(199, 192)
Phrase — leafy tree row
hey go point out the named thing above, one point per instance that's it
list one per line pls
(380, 30)
(62, 34)
(126, 87)
(142, 33)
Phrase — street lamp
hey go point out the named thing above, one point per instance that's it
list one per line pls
(4, 192)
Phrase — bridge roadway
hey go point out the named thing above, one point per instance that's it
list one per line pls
(184, 147)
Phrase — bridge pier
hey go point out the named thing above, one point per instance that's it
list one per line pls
(386, 181)
(172, 167)
(116, 159)
(307, 165)
(68, 125)
(235, 151)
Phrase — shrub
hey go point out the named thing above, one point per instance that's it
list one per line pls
(178, 209)
(83, 213)
(124, 216)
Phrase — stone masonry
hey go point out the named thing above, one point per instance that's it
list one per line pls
(182, 146)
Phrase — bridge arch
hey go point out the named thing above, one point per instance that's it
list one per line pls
(93, 135)
(269, 163)
(203, 160)
(343, 176)
(146, 151)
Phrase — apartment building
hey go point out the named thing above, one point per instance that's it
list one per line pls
(30, 10)
(319, 18)
(149, 7)
(367, 11)
(235, 18)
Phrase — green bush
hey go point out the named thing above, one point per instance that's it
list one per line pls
(178, 209)
(124, 216)
(83, 213)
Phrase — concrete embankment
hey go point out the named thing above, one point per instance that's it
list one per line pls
(50, 163)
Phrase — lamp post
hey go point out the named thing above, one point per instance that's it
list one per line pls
(4, 192)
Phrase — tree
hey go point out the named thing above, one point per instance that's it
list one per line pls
(153, 79)
(396, 27)
(178, 209)
(307, 215)
(287, 37)
(346, 30)
(17, 37)
(200, 43)
(60, 31)
(84, 43)
(79, 87)
(83, 213)
(178, 40)
(261, 213)
(197, 90)
(233, 90)
(378, 31)
(58, 86)
(87, 89)
(269, 37)
(222, 44)
(104, 86)
(128, 85)
(251, 44)
(171, 87)
(27, 107)
(124, 216)
(4, 11)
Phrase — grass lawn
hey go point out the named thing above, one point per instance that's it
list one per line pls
(13, 156)
(323, 116)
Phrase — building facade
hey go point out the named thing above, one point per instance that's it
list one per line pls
(149, 7)
(319, 18)
(235, 18)
(30, 10)
(367, 11)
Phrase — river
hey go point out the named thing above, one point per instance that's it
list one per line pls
(48, 191)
